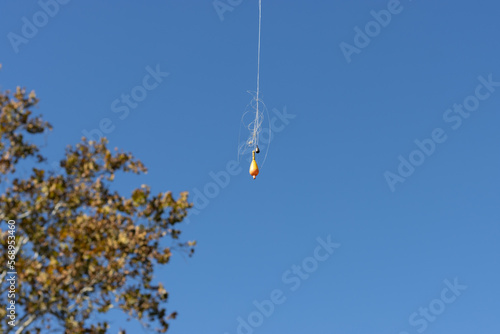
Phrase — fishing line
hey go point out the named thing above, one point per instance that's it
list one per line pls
(257, 121)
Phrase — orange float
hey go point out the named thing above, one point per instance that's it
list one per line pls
(254, 169)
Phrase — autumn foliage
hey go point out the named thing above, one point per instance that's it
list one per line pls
(82, 248)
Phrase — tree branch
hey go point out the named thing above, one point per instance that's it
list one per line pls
(28, 322)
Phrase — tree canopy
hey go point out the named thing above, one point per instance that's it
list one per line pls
(81, 247)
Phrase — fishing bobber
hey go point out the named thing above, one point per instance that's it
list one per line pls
(254, 169)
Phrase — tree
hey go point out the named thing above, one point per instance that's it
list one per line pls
(80, 247)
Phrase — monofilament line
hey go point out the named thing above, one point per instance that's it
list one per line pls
(255, 125)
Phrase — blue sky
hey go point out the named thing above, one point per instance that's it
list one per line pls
(406, 257)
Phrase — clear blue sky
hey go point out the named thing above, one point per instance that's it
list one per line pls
(398, 245)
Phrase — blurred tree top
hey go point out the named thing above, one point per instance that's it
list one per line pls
(82, 248)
